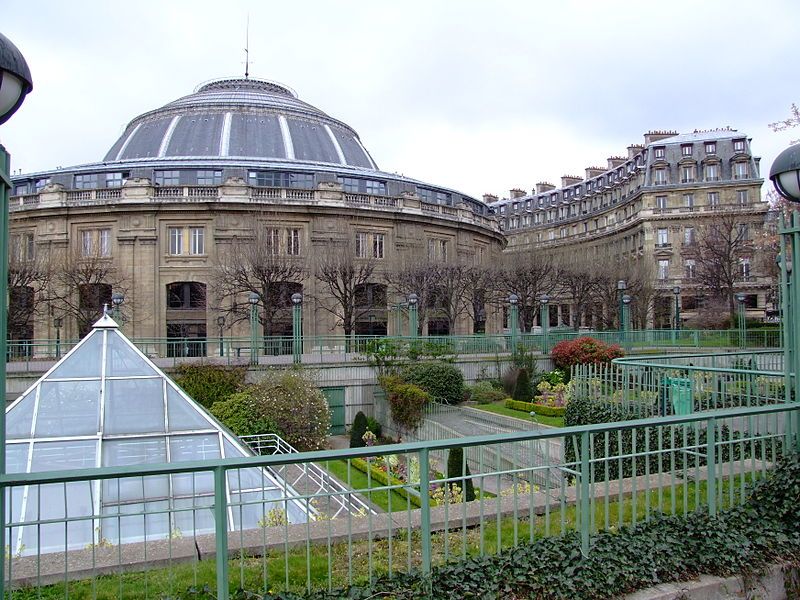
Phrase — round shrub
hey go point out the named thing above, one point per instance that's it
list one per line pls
(357, 430)
(207, 384)
(443, 381)
(406, 402)
(243, 416)
(296, 405)
(583, 350)
(484, 392)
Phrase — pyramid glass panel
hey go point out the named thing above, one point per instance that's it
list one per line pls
(107, 402)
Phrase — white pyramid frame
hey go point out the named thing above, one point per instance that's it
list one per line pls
(106, 404)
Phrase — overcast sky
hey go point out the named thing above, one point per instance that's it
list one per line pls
(477, 96)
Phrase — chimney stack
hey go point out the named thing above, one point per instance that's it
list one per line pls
(615, 161)
(568, 180)
(544, 186)
(516, 193)
(594, 172)
(489, 198)
(634, 149)
(656, 136)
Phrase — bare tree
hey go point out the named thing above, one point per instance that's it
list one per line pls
(451, 292)
(577, 280)
(721, 243)
(81, 285)
(418, 276)
(29, 276)
(343, 278)
(479, 292)
(257, 263)
(528, 274)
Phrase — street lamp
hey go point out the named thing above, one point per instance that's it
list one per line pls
(15, 84)
(740, 298)
(544, 300)
(413, 325)
(57, 322)
(677, 326)
(221, 327)
(513, 320)
(621, 287)
(785, 176)
(297, 327)
(253, 300)
(626, 301)
(116, 300)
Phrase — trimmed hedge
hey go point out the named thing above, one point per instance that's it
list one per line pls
(443, 381)
(384, 479)
(539, 409)
(207, 384)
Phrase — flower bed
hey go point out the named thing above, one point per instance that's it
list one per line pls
(384, 478)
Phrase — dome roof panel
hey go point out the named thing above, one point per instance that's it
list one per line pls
(243, 118)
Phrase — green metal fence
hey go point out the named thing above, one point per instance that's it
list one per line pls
(678, 384)
(332, 348)
(608, 475)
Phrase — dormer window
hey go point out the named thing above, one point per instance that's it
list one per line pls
(711, 147)
(738, 145)
(659, 152)
(686, 149)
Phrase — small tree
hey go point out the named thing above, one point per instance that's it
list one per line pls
(357, 430)
(583, 350)
(457, 468)
(522, 389)
(406, 403)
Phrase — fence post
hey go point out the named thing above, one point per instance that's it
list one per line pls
(585, 506)
(221, 532)
(425, 509)
(711, 465)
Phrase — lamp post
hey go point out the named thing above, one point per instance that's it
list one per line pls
(544, 300)
(413, 324)
(15, 84)
(626, 301)
(677, 292)
(116, 301)
(513, 320)
(57, 322)
(740, 298)
(785, 176)
(221, 327)
(297, 327)
(253, 300)
(621, 287)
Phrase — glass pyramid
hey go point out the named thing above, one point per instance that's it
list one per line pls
(106, 404)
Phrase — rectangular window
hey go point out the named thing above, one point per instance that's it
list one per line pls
(22, 247)
(197, 240)
(711, 147)
(293, 242)
(661, 202)
(443, 250)
(659, 152)
(85, 182)
(176, 241)
(377, 245)
(441, 198)
(40, 183)
(209, 177)
(690, 268)
(738, 145)
(167, 177)
(713, 199)
(660, 177)
(687, 173)
(273, 241)
(744, 264)
(114, 180)
(689, 236)
(431, 249)
(375, 188)
(743, 232)
(743, 197)
(361, 245)
(96, 242)
(741, 170)
(663, 269)
(686, 149)
(711, 172)
(662, 237)
(688, 201)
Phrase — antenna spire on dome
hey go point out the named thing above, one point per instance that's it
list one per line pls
(247, 49)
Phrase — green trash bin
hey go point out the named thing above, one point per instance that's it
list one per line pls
(680, 392)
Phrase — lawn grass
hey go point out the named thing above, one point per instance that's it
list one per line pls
(501, 409)
(357, 480)
(333, 565)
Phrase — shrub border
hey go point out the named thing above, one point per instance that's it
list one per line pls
(385, 479)
(539, 409)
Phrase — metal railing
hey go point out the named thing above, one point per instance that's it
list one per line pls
(333, 348)
(614, 474)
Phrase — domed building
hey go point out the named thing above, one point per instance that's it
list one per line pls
(198, 198)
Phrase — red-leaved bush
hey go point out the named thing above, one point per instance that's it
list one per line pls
(583, 350)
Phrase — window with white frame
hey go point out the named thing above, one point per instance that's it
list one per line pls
(688, 201)
(743, 197)
(743, 232)
(96, 242)
(741, 170)
(663, 268)
(711, 147)
(662, 237)
(361, 244)
(197, 236)
(85, 181)
(689, 238)
(23, 247)
(660, 177)
(659, 152)
(713, 199)
(689, 268)
(293, 242)
(686, 149)
(738, 145)
(661, 202)
(378, 242)
(187, 240)
(209, 177)
(744, 265)
(115, 179)
(687, 173)
(711, 172)
(273, 241)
